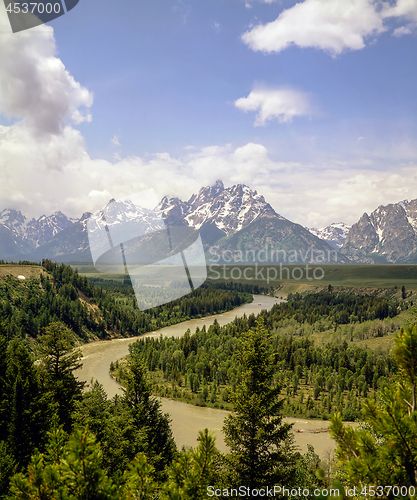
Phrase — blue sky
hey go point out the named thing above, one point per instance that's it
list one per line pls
(312, 104)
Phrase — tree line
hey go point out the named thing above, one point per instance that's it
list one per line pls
(62, 294)
(203, 368)
(340, 308)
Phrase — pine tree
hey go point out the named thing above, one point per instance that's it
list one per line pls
(384, 449)
(113, 426)
(147, 415)
(261, 446)
(59, 359)
(70, 469)
(29, 408)
(193, 471)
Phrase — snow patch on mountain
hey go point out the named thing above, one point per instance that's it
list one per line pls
(229, 209)
(335, 234)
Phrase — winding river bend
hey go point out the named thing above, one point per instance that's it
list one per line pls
(187, 419)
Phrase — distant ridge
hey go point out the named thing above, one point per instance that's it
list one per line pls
(232, 219)
(335, 234)
(387, 236)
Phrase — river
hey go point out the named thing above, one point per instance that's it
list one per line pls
(187, 419)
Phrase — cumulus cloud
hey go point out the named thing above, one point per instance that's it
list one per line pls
(403, 30)
(280, 104)
(34, 84)
(401, 8)
(333, 26)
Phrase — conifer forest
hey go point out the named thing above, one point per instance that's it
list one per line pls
(330, 354)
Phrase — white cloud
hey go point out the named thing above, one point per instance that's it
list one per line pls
(403, 30)
(331, 25)
(401, 8)
(44, 165)
(34, 84)
(280, 104)
(115, 141)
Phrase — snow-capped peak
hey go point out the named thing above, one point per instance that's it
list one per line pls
(335, 234)
(229, 209)
(14, 220)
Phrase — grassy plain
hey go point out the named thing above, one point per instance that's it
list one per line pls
(370, 276)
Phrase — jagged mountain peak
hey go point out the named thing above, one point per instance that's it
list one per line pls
(230, 210)
(40, 230)
(14, 220)
(206, 194)
(85, 216)
(9, 213)
(335, 234)
(218, 212)
(173, 208)
(388, 234)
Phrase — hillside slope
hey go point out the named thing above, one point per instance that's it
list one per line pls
(32, 297)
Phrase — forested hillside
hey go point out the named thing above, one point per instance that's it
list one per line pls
(316, 380)
(59, 293)
(60, 442)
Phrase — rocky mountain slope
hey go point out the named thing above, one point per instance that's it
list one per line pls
(388, 235)
(335, 234)
(237, 225)
(274, 240)
(32, 234)
(230, 210)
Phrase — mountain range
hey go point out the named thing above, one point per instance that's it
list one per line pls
(236, 224)
(388, 235)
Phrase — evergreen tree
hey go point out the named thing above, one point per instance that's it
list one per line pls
(261, 446)
(384, 450)
(113, 425)
(29, 406)
(193, 471)
(59, 360)
(69, 469)
(147, 415)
